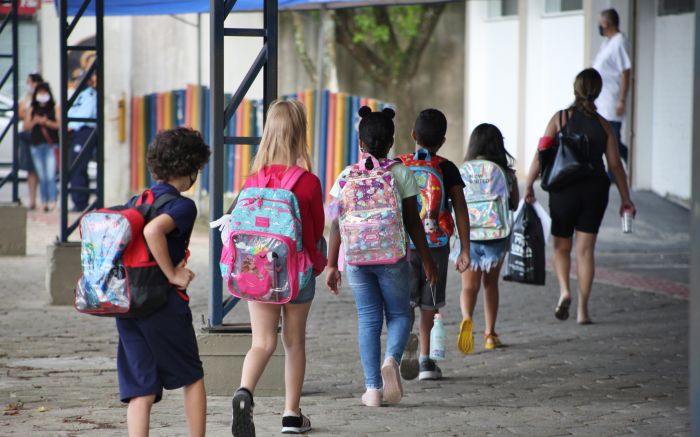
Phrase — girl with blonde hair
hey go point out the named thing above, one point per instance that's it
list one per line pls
(283, 147)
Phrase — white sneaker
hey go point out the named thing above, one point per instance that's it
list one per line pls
(372, 398)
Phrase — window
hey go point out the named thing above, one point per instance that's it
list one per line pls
(503, 8)
(673, 7)
(557, 6)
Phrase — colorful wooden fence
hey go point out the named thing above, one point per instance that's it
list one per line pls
(333, 115)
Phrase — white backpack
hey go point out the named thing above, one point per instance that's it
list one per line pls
(487, 193)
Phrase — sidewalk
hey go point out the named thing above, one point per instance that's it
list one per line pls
(626, 374)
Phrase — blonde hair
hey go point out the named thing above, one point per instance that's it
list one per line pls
(284, 137)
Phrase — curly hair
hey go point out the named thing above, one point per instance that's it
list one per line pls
(176, 152)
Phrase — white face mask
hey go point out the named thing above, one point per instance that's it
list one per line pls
(43, 98)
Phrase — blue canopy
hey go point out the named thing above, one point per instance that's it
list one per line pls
(168, 7)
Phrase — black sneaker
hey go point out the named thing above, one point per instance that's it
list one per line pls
(429, 370)
(409, 360)
(296, 424)
(242, 414)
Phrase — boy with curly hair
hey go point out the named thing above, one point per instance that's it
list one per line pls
(159, 351)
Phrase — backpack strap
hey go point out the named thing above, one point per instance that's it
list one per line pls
(420, 152)
(291, 177)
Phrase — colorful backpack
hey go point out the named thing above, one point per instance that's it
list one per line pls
(371, 224)
(119, 277)
(432, 204)
(486, 191)
(263, 258)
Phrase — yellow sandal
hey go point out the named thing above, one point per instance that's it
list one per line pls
(491, 341)
(465, 341)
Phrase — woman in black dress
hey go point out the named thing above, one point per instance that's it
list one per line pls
(579, 208)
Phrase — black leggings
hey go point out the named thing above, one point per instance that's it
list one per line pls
(579, 207)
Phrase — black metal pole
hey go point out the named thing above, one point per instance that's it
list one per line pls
(270, 74)
(64, 138)
(216, 139)
(15, 101)
(100, 59)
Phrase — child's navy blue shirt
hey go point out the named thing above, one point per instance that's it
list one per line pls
(183, 211)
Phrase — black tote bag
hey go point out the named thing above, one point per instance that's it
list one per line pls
(568, 161)
(526, 257)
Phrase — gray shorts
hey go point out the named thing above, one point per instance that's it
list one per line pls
(306, 294)
(421, 294)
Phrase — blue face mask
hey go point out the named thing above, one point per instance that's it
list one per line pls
(601, 31)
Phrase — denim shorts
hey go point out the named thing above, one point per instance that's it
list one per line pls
(306, 294)
(486, 255)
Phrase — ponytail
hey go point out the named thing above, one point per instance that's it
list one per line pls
(587, 87)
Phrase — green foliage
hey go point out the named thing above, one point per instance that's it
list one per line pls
(404, 21)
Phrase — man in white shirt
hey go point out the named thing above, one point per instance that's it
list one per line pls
(613, 64)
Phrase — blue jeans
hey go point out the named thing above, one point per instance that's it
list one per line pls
(617, 127)
(380, 290)
(45, 166)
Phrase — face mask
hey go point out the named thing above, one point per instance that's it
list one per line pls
(43, 98)
(601, 31)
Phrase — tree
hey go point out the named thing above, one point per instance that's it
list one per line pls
(388, 43)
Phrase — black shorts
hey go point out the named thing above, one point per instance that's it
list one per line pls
(579, 207)
(421, 294)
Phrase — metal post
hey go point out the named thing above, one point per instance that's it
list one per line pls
(13, 125)
(694, 334)
(96, 140)
(64, 138)
(267, 59)
(100, 125)
(216, 139)
(270, 73)
(15, 101)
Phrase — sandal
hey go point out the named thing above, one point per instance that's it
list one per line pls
(491, 341)
(562, 310)
(465, 340)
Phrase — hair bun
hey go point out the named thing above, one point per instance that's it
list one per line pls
(364, 111)
(389, 112)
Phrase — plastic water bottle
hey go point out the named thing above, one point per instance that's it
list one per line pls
(437, 339)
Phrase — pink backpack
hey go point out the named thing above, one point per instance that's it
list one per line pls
(263, 258)
(371, 224)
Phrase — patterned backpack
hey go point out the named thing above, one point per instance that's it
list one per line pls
(371, 224)
(486, 191)
(263, 258)
(119, 277)
(434, 211)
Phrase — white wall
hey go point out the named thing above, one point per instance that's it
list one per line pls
(492, 77)
(555, 55)
(644, 98)
(672, 101)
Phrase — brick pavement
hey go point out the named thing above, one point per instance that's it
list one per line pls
(626, 374)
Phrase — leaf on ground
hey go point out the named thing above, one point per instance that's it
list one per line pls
(42, 409)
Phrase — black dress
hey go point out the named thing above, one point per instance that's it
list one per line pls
(581, 206)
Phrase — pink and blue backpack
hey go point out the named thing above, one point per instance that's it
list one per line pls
(371, 224)
(263, 258)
